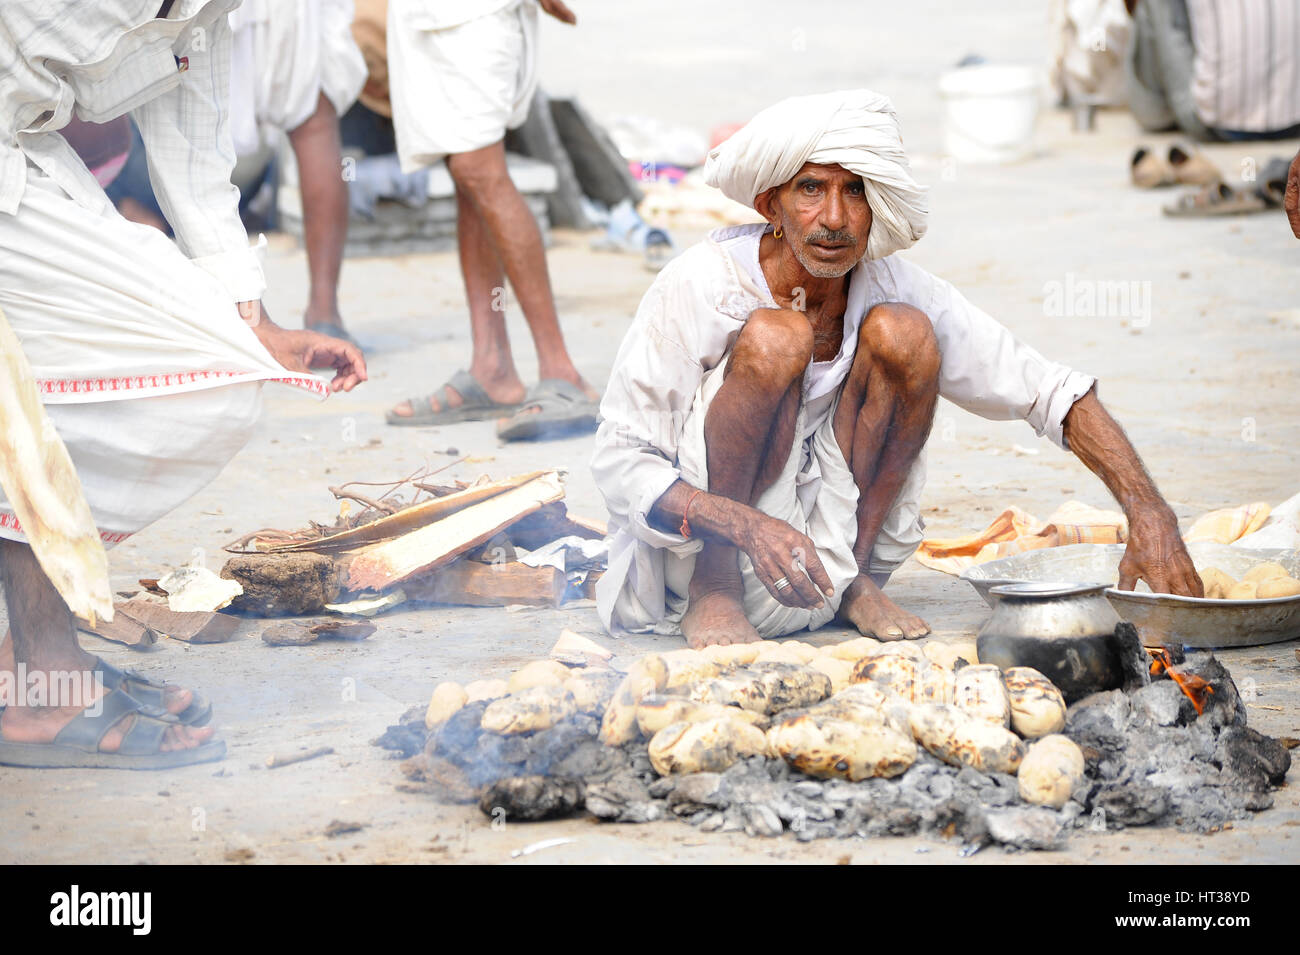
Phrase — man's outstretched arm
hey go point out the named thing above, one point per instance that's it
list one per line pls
(1156, 552)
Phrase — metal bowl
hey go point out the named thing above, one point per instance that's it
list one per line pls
(1190, 621)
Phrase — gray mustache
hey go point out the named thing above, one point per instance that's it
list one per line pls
(831, 238)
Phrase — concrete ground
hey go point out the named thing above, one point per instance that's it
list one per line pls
(1204, 381)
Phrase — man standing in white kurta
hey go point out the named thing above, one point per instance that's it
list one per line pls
(762, 434)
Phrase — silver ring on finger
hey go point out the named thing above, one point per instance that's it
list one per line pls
(781, 584)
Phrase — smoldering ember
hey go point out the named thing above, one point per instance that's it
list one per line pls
(856, 739)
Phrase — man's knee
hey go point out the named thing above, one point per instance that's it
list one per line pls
(479, 173)
(775, 344)
(901, 340)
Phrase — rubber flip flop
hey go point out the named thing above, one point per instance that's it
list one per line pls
(1149, 170)
(1191, 168)
(562, 409)
(151, 695)
(77, 745)
(1219, 199)
(475, 405)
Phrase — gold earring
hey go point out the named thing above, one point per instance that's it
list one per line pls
(778, 233)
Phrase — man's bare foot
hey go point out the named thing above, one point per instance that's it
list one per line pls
(875, 615)
(716, 619)
(41, 724)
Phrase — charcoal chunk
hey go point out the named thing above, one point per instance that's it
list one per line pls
(533, 798)
(1258, 761)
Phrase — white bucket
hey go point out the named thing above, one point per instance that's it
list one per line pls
(990, 111)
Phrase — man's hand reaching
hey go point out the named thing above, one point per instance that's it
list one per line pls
(558, 10)
(1156, 554)
(302, 350)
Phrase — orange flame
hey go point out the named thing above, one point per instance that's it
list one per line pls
(1195, 688)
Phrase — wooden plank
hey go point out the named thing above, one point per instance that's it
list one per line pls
(121, 629)
(468, 583)
(435, 545)
(187, 627)
(407, 519)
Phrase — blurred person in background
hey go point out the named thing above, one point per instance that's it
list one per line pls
(1216, 69)
(461, 73)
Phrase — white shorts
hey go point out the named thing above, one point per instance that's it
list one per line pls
(459, 89)
(143, 364)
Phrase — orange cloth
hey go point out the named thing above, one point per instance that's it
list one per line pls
(1015, 531)
(1228, 524)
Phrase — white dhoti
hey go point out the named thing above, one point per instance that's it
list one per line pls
(284, 55)
(144, 365)
(816, 495)
(459, 88)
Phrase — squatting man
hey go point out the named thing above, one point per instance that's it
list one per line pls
(762, 444)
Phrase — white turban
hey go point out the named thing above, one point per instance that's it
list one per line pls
(856, 129)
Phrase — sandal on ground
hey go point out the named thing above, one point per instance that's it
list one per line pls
(151, 695)
(562, 409)
(1219, 199)
(1191, 168)
(77, 745)
(475, 405)
(1149, 170)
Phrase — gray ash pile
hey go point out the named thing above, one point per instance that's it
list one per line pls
(860, 739)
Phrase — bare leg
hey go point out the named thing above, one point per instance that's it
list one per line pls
(881, 424)
(318, 149)
(493, 364)
(748, 431)
(481, 175)
(43, 637)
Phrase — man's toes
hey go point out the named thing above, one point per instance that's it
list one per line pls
(177, 699)
(185, 737)
(404, 410)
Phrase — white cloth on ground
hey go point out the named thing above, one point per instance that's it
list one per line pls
(685, 327)
(856, 129)
(459, 88)
(172, 76)
(285, 54)
(144, 365)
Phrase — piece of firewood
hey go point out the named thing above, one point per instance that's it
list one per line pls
(41, 485)
(288, 759)
(186, 627)
(552, 522)
(381, 565)
(121, 629)
(407, 519)
(282, 585)
(470, 584)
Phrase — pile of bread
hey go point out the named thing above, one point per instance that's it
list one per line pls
(852, 710)
(1262, 582)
